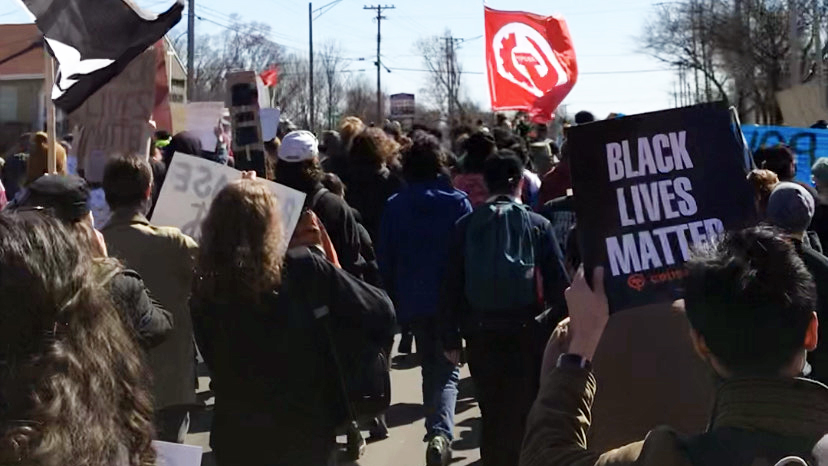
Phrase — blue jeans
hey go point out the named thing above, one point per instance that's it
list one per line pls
(440, 379)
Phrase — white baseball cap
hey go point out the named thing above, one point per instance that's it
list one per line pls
(298, 146)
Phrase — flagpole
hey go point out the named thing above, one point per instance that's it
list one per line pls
(51, 162)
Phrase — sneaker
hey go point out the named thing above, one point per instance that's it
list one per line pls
(406, 339)
(378, 429)
(438, 452)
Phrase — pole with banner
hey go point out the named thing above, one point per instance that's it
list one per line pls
(49, 71)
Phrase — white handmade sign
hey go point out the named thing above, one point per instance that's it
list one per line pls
(193, 182)
(202, 120)
(174, 454)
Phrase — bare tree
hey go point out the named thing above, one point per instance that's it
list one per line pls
(735, 50)
(332, 67)
(361, 100)
(242, 46)
(441, 61)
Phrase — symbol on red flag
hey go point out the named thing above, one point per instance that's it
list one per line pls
(270, 77)
(531, 62)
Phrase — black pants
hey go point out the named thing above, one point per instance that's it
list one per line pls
(505, 367)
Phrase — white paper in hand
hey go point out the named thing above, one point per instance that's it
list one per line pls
(269, 118)
(193, 182)
(174, 454)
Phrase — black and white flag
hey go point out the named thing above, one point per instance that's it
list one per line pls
(94, 40)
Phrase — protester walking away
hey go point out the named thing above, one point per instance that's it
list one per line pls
(260, 320)
(336, 161)
(369, 181)
(791, 208)
(478, 147)
(13, 174)
(781, 160)
(413, 245)
(754, 336)
(73, 384)
(298, 168)
(66, 198)
(557, 181)
(762, 182)
(38, 161)
(184, 142)
(647, 369)
(370, 270)
(820, 222)
(503, 294)
(165, 258)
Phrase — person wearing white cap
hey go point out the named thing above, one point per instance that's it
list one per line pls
(298, 167)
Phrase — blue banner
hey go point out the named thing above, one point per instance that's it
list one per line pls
(807, 144)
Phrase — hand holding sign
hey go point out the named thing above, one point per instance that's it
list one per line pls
(650, 187)
(193, 182)
(588, 312)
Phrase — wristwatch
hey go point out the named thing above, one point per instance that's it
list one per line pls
(574, 361)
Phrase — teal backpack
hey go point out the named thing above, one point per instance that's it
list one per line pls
(500, 258)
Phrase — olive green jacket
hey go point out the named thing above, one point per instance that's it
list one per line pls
(557, 426)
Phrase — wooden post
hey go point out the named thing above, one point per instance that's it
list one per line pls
(49, 71)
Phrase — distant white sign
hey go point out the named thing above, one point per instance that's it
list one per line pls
(202, 120)
(269, 118)
(193, 182)
(174, 454)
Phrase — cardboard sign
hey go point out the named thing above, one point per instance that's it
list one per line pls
(803, 105)
(193, 182)
(648, 188)
(245, 99)
(270, 122)
(202, 119)
(174, 454)
(807, 144)
(115, 120)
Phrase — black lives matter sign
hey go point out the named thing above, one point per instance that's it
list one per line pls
(650, 187)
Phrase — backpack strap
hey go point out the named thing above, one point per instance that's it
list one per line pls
(316, 197)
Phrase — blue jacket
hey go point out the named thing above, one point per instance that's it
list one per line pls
(415, 234)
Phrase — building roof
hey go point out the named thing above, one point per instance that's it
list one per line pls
(16, 38)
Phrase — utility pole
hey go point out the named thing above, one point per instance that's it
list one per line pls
(449, 63)
(793, 40)
(379, 18)
(190, 50)
(817, 32)
(311, 119)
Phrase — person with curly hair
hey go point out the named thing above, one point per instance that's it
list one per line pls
(72, 382)
(369, 180)
(254, 313)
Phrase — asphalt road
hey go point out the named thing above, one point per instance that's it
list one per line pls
(404, 446)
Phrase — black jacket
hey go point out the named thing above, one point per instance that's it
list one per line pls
(368, 192)
(817, 264)
(149, 320)
(276, 392)
(342, 227)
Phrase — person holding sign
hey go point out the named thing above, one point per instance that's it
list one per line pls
(750, 302)
(257, 319)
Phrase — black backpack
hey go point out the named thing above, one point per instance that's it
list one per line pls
(362, 368)
(738, 447)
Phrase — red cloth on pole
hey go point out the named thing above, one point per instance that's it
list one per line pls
(531, 62)
(270, 77)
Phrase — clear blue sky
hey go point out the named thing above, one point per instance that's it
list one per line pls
(604, 33)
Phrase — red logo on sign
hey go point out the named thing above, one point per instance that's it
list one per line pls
(637, 281)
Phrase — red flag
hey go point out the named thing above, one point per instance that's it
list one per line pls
(270, 77)
(531, 62)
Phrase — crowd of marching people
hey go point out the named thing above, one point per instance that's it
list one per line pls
(466, 243)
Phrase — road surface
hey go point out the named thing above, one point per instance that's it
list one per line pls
(404, 446)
